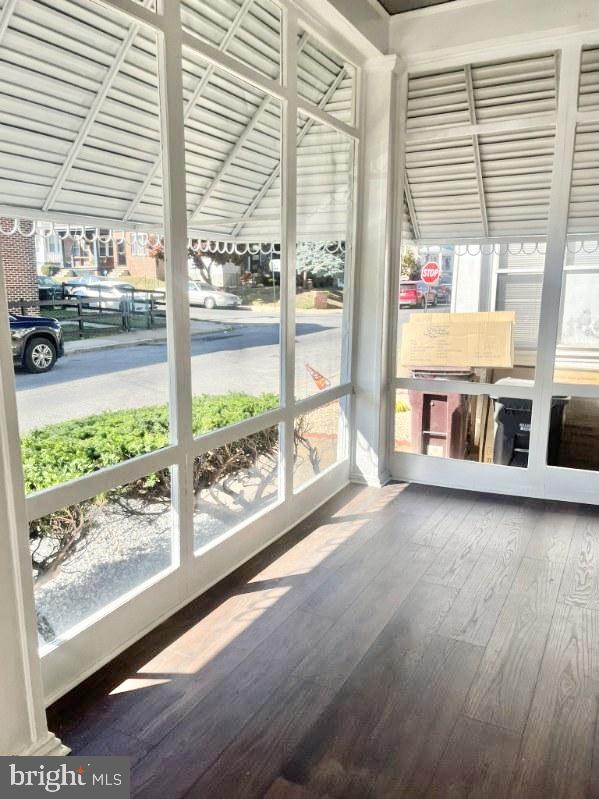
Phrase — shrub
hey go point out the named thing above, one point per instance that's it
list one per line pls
(61, 452)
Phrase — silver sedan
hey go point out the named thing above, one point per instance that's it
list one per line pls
(211, 297)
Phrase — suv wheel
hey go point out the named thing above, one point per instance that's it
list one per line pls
(40, 355)
(209, 303)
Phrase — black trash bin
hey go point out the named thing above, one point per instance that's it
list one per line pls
(512, 430)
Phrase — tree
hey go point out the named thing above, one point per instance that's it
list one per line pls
(410, 267)
(314, 258)
(204, 260)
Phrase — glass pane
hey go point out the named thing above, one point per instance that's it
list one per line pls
(234, 482)
(324, 233)
(574, 433)
(233, 157)
(317, 443)
(502, 281)
(474, 428)
(85, 143)
(577, 352)
(92, 554)
(249, 32)
(89, 348)
(325, 79)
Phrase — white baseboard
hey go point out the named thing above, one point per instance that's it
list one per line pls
(51, 746)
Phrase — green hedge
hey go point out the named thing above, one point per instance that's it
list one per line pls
(61, 452)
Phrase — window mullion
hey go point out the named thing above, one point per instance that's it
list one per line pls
(557, 229)
(288, 244)
(175, 254)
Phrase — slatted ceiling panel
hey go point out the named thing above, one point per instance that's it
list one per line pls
(437, 99)
(588, 91)
(515, 88)
(515, 170)
(517, 173)
(583, 214)
(444, 188)
(48, 87)
(407, 231)
(257, 40)
(319, 68)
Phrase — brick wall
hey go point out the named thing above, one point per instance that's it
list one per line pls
(18, 259)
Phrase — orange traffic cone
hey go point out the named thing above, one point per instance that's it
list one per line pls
(321, 381)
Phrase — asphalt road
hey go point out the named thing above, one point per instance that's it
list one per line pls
(244, 359)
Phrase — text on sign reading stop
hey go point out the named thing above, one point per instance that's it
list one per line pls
(430, 272)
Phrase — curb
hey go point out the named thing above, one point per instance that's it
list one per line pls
(121, 344)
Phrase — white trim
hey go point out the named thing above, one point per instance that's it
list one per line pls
(207, 52)
(134, 11)
(426, 135)
(557, 229)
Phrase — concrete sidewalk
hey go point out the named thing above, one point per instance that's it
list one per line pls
(142, 337)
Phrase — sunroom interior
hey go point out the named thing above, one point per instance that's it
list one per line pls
(327, 282)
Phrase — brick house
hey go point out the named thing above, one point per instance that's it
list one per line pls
(18, 256)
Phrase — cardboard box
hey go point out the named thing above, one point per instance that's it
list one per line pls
(467, 340)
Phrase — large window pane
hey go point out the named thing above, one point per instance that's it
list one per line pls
(83, 143)
(318, 442)
(494, 283)
(577, 352)
(234, 482)
(233, 152)
(324, 233)
(473, 428)
(574, 433)
(91, 554)
(89, 349)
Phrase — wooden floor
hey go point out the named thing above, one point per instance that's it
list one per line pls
(401, 642)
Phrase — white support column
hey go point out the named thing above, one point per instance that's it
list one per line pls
(176, 272)
(288, 247)
(374, 271)
(23, 730)
(557, 229)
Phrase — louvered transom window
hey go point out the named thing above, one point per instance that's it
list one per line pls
(583, 218)
(479, 150)
(80, 127)
(79, 110)
(443, 187)
(588, 92)
(324, 79)
(248, 31)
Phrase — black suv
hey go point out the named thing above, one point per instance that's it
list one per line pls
(37, 341)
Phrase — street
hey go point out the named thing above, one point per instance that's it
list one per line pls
(244, 357)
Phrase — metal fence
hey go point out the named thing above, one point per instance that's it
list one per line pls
(131, 309)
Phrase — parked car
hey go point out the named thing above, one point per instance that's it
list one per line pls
(211, 297)
(443, 291)
(416, 294)
(97, 292)
(48, 289)
(37, 342)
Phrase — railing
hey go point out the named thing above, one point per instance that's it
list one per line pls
(105, 310)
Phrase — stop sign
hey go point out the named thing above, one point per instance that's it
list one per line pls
(430, 272)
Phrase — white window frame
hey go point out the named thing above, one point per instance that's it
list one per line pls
(85, 648)
(539, 479)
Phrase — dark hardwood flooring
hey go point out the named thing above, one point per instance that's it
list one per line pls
(401, 642)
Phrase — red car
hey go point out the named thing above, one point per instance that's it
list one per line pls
(416, 294)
